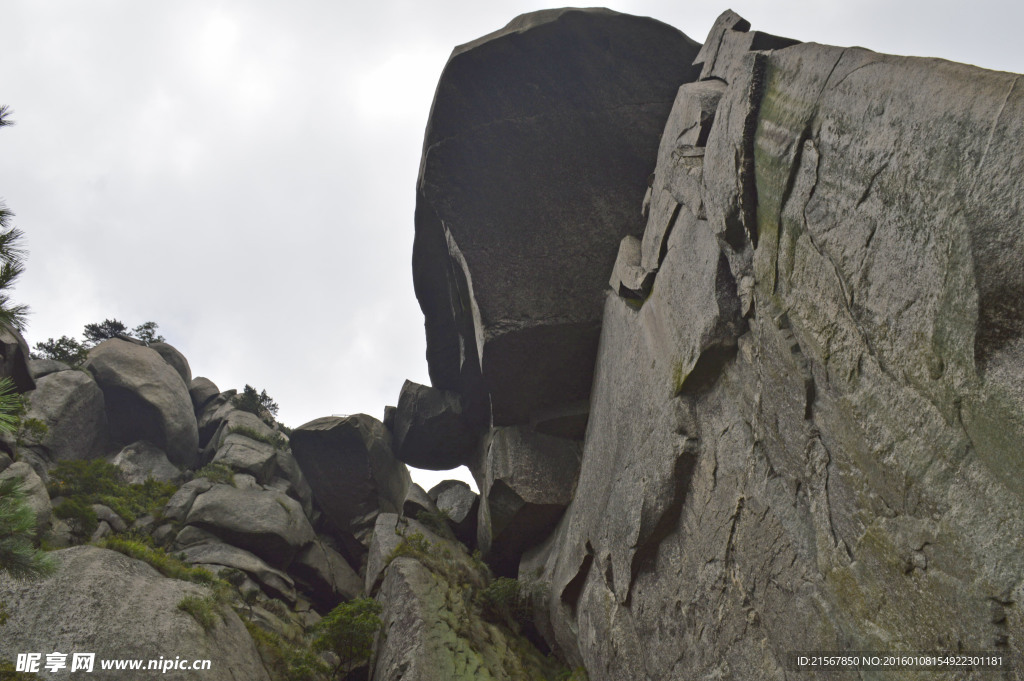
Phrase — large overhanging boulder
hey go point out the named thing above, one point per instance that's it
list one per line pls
(146, 399)
(540, 141)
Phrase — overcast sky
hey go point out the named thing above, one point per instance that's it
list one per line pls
(243, 173)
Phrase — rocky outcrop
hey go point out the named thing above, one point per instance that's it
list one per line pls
(145, 399)
(269, 524)
(433, 625)
(353, 475)
(777, 431)
(139, 615)
(552, 145)
(72, 406)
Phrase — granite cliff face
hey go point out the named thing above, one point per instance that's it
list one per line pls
(730, 335)
(805, 411)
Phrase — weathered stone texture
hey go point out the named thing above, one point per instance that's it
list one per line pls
(120, 608)
(802, 438)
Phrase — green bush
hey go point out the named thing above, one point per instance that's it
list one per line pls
(286, 661)
(80, 516)
(165, 564)
(202, 608)
(100, 482)
(503, 602)
(65, 349)
(255, 403)
(275, 440)
(348, 631)
(217, 472)
(18, 554)
(437, 522)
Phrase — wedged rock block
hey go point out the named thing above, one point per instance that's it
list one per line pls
(460, 504)
(267, 523)
(527, 481)
(202, 390)
(145, 399)
(417, 501)
(71, 405)
(430, 430)
(540, 140)
(114, 606)
(353, 474)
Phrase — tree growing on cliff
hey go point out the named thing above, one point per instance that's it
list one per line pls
(12, 257)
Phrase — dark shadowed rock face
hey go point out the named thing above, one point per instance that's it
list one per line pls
(540, 138)
(353, 474)
(430, 430)
(146, 399)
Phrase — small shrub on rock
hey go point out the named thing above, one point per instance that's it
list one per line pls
(258, 403)
(100, 482)
(202, 608)
(503, 602)
(217, 472)
(348, 631)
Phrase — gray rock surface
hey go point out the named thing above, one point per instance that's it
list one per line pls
(423, 638)
(245, 455)
(267, 523)
(417, 501)
(175, 359)
(540, 138)
(201, 390)
(142, 460)
(430, 430)
(35, 492)
(120, 608)
(38, 368)
(353, 474)
(461, 504)
(145, 399)
(527, 481)
(274, 583)
(73, 408)
(801, 440)
(178, 506)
